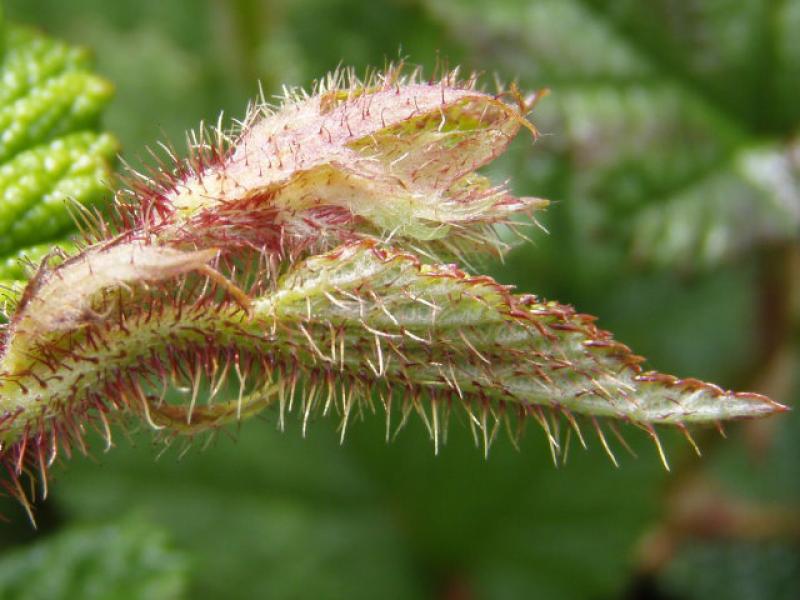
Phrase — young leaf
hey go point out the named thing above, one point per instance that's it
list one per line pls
(295, 262)
(390, 157)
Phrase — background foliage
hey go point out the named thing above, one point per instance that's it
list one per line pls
(671, 149)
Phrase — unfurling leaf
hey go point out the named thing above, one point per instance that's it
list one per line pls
(297, 263)
(393, 159)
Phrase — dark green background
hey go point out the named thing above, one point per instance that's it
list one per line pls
(652, 105)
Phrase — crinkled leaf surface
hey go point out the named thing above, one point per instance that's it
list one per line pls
(50, 153)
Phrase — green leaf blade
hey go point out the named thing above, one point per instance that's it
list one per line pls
(436, 327)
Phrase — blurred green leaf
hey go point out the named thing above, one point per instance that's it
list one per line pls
(768, 565)
(734, 570)
(288, 517)
(674, 123)
(127, 560)
(269, 516)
